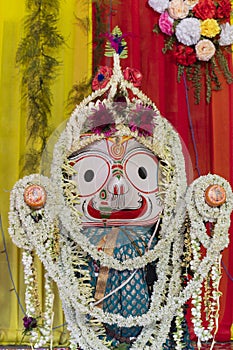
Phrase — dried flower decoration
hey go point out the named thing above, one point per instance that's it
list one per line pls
(198, 34)
(141, 119)
(102, 121)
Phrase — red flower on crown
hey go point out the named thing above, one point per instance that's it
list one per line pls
(133, 75)
(102, 77)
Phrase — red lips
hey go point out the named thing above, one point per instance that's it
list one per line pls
(117, 214)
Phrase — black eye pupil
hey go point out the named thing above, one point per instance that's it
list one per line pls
(142, 173)
(89, 175)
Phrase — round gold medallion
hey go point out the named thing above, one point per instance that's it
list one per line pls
(215, 195)
(35, 196)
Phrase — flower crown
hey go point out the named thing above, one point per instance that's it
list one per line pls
(116, 99)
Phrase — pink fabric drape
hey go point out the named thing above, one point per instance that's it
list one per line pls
(212, 123)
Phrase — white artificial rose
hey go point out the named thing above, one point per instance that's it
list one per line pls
(188, 31)
(205, 50)
(159, 5)
(226, 36)
(191, 3)
(178, 9)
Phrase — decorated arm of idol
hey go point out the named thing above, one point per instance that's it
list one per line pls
(209, 204)
(34, 228)
(32, 222)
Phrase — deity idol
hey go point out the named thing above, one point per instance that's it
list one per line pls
(119, 230)
(118, 182)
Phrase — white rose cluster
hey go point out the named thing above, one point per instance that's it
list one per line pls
(226, 36)
(158, 5)
(188, 31)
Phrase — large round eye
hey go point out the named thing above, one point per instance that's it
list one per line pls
(141, 169)
(92, 173)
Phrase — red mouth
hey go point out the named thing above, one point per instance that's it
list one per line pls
(117, 214)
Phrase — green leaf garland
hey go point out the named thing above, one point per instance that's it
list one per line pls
(36, 56)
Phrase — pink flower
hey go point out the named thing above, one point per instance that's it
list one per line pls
(166, 23)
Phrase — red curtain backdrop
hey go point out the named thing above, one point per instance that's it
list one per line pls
(211, 123)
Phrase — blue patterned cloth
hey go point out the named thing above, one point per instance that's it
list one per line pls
(133, 298)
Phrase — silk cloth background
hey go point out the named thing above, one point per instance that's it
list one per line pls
(212, 123)
(76, 65)
(212, 126)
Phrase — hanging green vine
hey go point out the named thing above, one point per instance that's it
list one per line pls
(78, 92)
(80, 89)
(36, 56)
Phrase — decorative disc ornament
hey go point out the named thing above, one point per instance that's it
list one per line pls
(121, 228)
(35, 196)
(215, 195)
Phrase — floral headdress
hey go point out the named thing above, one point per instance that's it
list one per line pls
(199, 35)
(43, 218)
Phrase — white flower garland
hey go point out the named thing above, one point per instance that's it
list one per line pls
(42, 333)
(31, 286)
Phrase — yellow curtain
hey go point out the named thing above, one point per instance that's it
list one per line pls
(76, 64)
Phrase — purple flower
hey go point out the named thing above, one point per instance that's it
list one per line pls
(107, 130)
(29, 323)
(141, 120)
(102, 121)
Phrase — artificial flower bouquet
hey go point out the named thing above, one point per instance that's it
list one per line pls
(199, 35)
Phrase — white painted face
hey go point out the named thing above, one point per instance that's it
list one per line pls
(117, 179)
